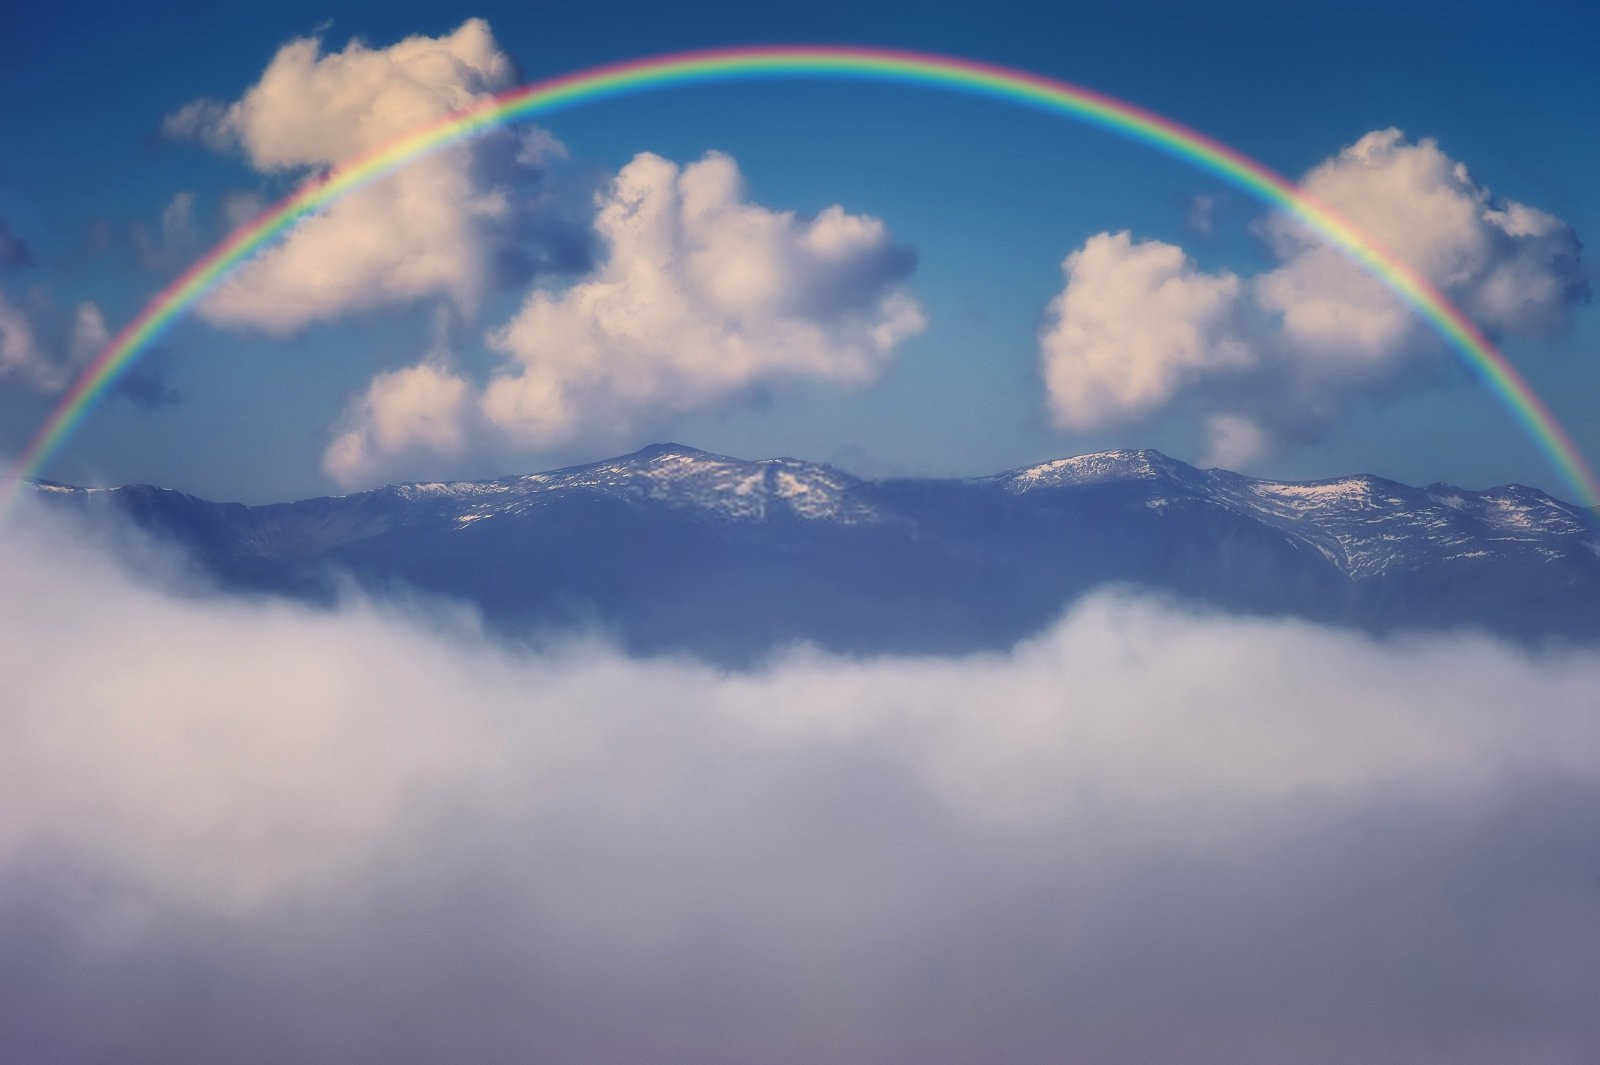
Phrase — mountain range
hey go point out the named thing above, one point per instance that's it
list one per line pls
(672, 549)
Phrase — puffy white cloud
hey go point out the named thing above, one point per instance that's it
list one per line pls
(431, 229)
(311, 109)
(1137, 328)
(1136, 324)
(1508, 265)
(419, 420)
(1145, 834)
(415, 234)
(702, 296)
(418, 414)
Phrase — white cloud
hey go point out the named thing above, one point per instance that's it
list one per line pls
(418, 414)
(1510, 266)
(1136, 324)
(311, 109)
(419, 420)
(430, 229)
(702, 297)
(1137, 329)
(1145, 834)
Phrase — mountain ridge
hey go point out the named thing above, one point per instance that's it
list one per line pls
(675, 548)
(1097, 466)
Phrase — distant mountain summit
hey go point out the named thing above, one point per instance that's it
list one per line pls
(675, 549)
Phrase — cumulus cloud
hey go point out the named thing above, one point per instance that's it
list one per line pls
(702, 298)
(252, 831)
(1136, 323)
(420, 419)
(419, 414)
(434, 229)
(1511, 266)
(1319, 330)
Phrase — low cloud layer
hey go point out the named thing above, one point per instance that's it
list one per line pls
(1139, 329)
(702, 297)
(239, 831)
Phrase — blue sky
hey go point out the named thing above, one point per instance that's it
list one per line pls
(990, 199)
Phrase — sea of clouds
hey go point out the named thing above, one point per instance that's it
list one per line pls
(242, 830)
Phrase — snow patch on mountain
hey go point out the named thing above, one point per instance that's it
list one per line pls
(1097, 467)
(676, 476)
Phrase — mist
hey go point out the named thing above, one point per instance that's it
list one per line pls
(247, 830)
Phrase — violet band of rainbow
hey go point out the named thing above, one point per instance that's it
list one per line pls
(782, 61)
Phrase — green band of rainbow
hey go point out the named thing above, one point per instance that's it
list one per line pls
(858, 63)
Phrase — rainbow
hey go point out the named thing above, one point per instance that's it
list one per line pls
(933, 71)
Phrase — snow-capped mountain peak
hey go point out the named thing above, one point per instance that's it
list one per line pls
(816, 553)
(673, 475)
(1096, 467)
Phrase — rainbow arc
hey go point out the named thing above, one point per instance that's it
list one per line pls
(933, 71)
